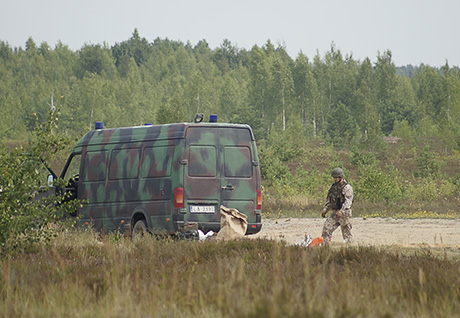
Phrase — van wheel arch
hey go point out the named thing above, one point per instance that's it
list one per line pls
(140, 214)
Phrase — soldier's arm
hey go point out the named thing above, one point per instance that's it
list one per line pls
(327, 204)
(348, 194)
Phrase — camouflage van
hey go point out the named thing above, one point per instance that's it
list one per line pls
(165, 178)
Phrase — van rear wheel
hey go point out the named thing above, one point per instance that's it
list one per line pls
(139, 229)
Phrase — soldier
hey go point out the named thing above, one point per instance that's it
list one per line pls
(339, 200)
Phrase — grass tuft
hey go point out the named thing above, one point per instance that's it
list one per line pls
(83, 274)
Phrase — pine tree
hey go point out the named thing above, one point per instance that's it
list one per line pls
(341, 126)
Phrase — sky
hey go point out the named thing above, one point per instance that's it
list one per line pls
(415, 31)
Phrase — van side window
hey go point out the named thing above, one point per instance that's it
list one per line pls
(202, 161)
(238, 162)
(95, 166)
(124, 163)
(156, 162)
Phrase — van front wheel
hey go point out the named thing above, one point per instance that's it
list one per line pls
(139, 229)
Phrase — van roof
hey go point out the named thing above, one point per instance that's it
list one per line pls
(148, 132)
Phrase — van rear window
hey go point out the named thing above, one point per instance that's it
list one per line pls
(202, 161)
(238, 162)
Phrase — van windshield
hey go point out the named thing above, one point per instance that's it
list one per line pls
(74, 167)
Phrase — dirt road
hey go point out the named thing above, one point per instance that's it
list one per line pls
(373, 231)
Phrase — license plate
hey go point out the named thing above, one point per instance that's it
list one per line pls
(202, 209)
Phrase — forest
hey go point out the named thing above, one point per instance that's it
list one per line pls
(395, 130)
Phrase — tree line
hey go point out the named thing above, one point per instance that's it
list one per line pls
(332, 97)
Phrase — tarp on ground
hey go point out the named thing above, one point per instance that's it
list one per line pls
(233, 224)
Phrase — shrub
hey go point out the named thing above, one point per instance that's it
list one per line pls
(375, 185)
(28, 215)
(362, 158)
(271, 166)
(430, 190)
(427, 164)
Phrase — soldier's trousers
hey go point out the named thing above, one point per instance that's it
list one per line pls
(333, 222)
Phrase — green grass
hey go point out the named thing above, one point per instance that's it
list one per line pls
(82, 275)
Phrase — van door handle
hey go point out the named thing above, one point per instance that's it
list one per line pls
(229, 187)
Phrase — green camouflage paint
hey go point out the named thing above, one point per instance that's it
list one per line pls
(127, 174)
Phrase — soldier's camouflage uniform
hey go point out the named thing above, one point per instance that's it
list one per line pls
(339, 198)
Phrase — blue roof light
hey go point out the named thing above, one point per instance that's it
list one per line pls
(99, 125)
(213, 118)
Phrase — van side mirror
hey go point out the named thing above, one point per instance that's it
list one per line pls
(50, 180)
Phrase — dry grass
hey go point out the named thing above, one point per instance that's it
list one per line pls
(81, 275)
(293, 206)
(302, 206)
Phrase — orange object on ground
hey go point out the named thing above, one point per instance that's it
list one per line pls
(316, 241)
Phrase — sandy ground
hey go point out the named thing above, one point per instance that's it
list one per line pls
(373, 231)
